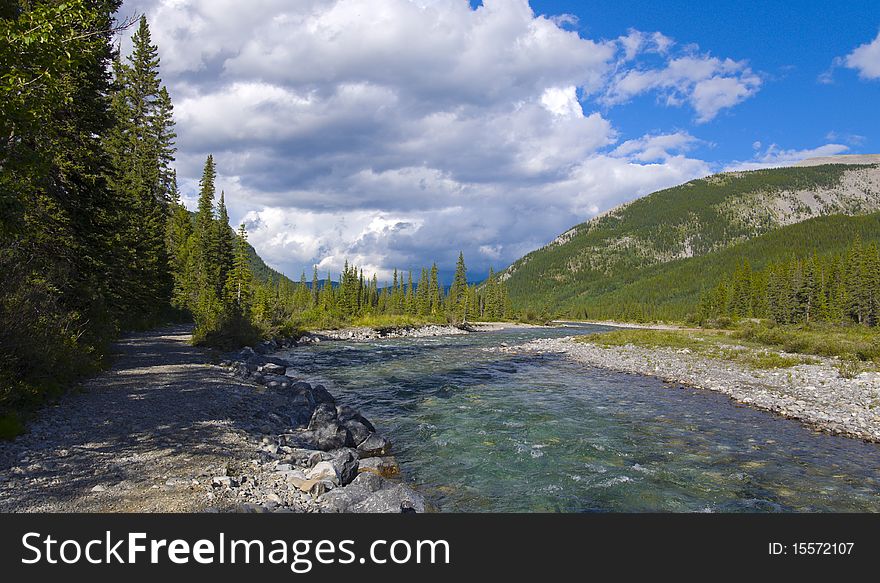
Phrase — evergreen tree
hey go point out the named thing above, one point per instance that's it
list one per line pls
(224, 245)
(458, 292)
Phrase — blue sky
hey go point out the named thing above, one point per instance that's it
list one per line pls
(394, 133)
(790, 44)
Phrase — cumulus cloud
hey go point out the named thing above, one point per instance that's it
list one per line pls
(775, 157)
(395, 133)
(865, 59)
(707, 83)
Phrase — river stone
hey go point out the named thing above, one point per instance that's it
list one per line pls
(272, 369)
(387, 467)
(374, 446)
(345, 461)
(323, 437)
(324, 471)
(324, 415)
(356, 424)
(395, 499)
(341, 499)
(322, 395)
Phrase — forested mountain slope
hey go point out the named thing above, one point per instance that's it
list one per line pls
(585, 266)
(672, 290)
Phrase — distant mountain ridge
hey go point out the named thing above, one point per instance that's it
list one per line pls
(695, 219)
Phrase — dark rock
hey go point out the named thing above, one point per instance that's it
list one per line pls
(322, 395)
(356, 424)
(359, 429)
(325, 414)
(345, 461)
(374, 446)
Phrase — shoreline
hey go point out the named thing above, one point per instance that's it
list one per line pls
(615, 324)
(165, 430)
(368, 333)
(813, 394)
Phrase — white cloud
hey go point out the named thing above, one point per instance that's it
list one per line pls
(707, 83)
(775, 157)
(866, 59)
(395, 133)
(650, 148)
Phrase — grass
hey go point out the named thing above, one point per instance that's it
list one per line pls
(845, 342)
(394, 321)
(715, 344)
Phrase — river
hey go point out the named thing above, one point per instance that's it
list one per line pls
(478, 430)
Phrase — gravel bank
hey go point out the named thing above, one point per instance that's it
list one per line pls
(364, 333)
(814, 394)
(167, 431)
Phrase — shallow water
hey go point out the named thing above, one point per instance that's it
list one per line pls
(489, 431)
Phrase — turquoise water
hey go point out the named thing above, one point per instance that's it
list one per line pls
(488, 431)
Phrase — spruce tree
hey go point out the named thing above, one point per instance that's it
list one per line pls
(224, 245)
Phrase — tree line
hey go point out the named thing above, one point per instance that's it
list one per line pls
(94, 238)
(355, 295)
(837, 288)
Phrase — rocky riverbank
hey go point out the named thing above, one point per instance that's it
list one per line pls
(316, 454)
(364, 333)
(165, 430)
(814, 394)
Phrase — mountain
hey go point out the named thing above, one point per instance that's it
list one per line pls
(262, 272)
(594, 268)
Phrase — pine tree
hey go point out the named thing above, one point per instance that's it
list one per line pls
(458, 291)
(205, 232)
(238, 287)
(224, 245)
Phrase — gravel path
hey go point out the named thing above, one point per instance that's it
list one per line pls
(814, 394)
(148, 435)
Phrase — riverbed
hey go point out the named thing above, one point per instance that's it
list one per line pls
(477, 429)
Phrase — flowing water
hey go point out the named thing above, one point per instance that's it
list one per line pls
(479, 430)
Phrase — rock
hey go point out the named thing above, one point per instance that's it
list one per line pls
(301, 386)
(374, 446)
(272, 369)
(99, 488)
(324, 438)
(357, 425)
(359, 430)
(321, 395)
(345, 462)
(324, 415)
(220, 481)
(324, 471)
(394, 499)
(371, 493)
(387, 467)
(341, 499)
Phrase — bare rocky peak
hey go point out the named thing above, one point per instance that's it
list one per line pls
(842, 159)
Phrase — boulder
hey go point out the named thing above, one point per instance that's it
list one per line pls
(324, 471)
(357, 425)
(345, 462)
(393, 499)
(374, 446)
(322, 395)
(341, 499)
(324, 415)
(371, 493)
(271, 368)
(387, 467)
